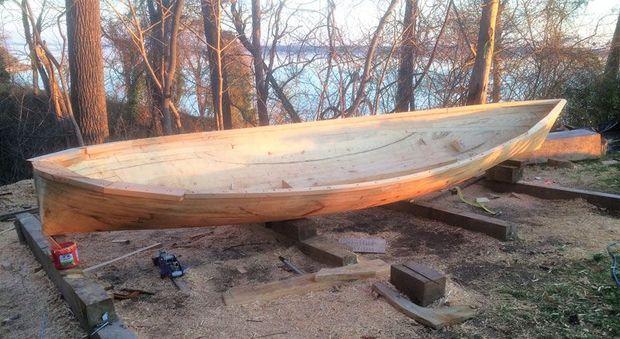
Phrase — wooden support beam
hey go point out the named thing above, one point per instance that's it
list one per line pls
(87, 299)
(494, 227)
(435, 318)
(505, 173)
(327, 251)
(606, 200)
(420, 283)
(362, 270)
(579, 144)
(296, 229)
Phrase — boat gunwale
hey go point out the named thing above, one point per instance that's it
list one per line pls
(47, 166)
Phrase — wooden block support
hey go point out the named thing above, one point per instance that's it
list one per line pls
(579, 144)
(494, 227)
(88, 300)
(505, 173)
(327, 251)
(296, 229)
(422, 284)
(606, 200)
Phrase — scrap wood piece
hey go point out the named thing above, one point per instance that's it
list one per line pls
(435, 318)
(300, 284)
(362, 270)
(365, 245)
(105, 263)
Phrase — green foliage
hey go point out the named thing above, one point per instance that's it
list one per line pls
(592, 100)
(575, 300)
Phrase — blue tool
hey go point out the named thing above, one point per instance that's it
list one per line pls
(168, 265)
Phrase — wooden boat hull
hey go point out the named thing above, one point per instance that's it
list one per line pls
(72, 202)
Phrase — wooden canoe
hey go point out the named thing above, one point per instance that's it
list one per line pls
(281, 172)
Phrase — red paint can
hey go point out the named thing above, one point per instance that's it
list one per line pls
(65, 256)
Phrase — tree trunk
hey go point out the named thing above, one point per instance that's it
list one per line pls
(404, 92)
(497, 58)
(86, 69)
(479, 80)
(613, 59)
(259, 74)
(360, 94)
(221, 100)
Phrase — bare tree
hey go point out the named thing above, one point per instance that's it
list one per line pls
(211, 12)
(360, 94)
(477, 92)
(613, 59)
(257, 55)
(496, 92)
(404, 93)
(86, 69)
(259, 74)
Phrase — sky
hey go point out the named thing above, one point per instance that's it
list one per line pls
(356, 17)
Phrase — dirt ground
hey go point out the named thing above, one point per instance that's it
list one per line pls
(552, 281)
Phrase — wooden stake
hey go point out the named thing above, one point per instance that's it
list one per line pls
(105, 263)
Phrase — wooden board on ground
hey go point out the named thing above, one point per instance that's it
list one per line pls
(305, 283)
(494, 227)
(362, 270)
(364, 245)
(606, 200)
(296, 285)
(436, 318)
(327, 251)
(105, 263)
(88, 300)
(579, 144)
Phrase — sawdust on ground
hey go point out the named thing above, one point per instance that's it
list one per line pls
(218, 258)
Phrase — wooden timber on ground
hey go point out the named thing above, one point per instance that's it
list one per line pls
(303, 284)
(505, 173)
(579, 144)
(436, 318)
(494, 227)
(297, 229)
(111, 261)
(606, 200)
(88, 300)
(420, 283)
(283, 172)
(327, 251)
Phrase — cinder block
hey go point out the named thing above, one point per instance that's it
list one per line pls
(422, 284)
